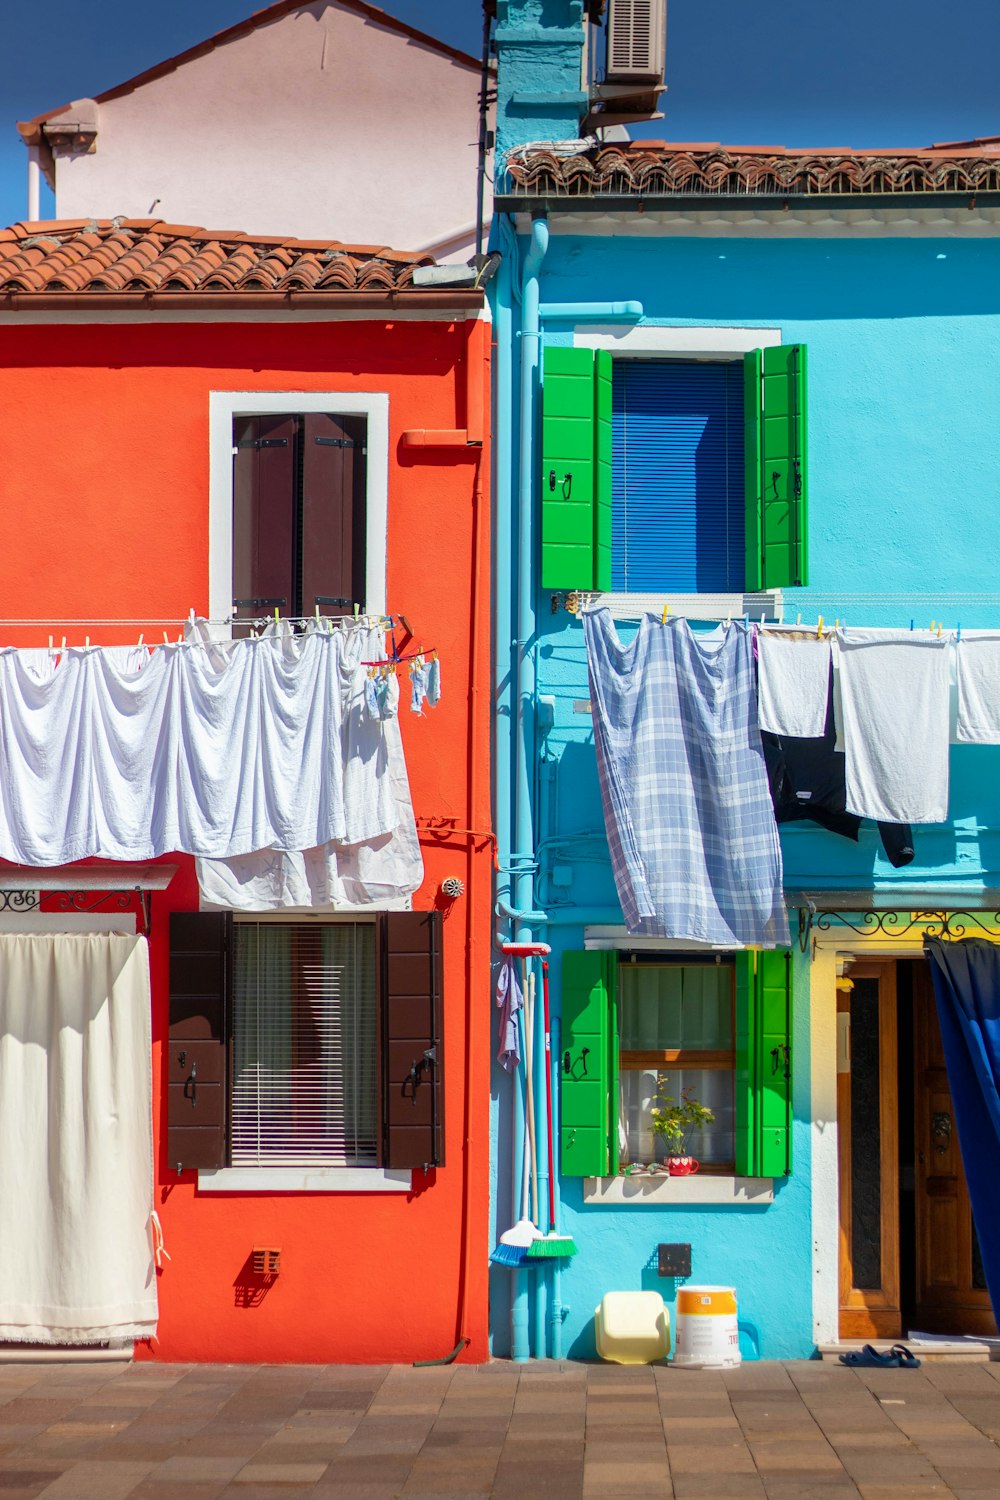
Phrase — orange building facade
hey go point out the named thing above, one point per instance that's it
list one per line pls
(119, 390)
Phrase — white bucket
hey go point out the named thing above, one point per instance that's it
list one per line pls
(707, 1332)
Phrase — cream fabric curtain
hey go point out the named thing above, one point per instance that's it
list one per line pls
(76, 1148)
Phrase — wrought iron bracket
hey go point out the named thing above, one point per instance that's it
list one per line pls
(80, 901)
(946, 924)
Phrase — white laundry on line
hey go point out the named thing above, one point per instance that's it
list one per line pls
(977, 675)
(894, 692)
(793, 683)
(213, 753)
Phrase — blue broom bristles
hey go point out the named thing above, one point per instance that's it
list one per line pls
(509, 1255)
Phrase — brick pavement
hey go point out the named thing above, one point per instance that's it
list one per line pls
(806, 1431)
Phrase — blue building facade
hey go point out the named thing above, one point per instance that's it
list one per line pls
(668, 267)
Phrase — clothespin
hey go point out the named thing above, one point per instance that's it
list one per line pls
(939, 629)
(933, 623)
(746, 620)
(317, 614)
(911, 624)
(666, 611)
(819, 629)
(836, 624)
(958, 632)
(166, 640)
(275, 614)
(357, 609)
(192, 616)
(86, 643)
(798, 618)
(50, 643)
(63, 646)
(139, 647)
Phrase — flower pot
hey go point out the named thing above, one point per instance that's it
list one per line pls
(681, 1166)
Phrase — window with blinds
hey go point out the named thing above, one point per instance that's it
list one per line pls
(304, 1067)
(678, 518)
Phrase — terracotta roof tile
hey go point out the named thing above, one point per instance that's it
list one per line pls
(707, 169)
(148, 256)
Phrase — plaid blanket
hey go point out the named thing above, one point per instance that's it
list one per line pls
(690, 825)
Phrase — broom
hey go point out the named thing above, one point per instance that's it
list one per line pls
(512, 1249)
(551, 1246)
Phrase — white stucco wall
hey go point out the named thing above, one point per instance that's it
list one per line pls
(322, 125)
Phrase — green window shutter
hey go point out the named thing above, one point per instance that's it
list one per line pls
(774, 1057)
(588, 982)
(602, 470)
(746, 1066)
(568, 463)
(763, 1064)
(752, 378)
(775, 457)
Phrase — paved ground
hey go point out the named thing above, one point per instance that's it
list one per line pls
(558, 1432)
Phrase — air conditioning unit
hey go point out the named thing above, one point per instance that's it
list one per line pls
(637, 41)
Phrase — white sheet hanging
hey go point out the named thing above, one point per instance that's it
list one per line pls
(382, 872)
(214, 754)
(977, 674)
(894, 694)
(76, 1144)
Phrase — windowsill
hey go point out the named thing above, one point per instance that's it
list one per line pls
(305, 1180)
(699, 1188)
(707, 606)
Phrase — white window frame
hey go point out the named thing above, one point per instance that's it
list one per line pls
(304, 1179)
(223, 407)
(647, 342)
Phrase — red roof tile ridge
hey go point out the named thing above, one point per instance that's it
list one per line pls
(29, 128)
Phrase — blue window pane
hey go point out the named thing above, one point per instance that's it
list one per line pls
(677, 494)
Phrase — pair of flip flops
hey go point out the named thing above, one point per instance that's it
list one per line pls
(870, 1358)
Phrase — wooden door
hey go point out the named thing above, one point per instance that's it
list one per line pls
(868, 1152)
(951, 1287)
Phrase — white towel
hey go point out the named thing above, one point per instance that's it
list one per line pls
(977, 670)
(793, 683)
(894, 693)
(76, 1139)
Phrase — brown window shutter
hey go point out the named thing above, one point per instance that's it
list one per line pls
(333, 512)
(198, 1041)
(412, 1055)
(264, 541)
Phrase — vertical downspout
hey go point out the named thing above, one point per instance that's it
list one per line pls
(524, 736)
(555, 1306)
(34, 184)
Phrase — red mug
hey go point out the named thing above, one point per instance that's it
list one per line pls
(682, 1166)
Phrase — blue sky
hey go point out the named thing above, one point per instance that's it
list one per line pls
(788, 72)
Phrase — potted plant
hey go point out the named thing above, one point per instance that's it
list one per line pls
(674, 1122)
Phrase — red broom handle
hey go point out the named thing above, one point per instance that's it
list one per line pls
(548, 1095)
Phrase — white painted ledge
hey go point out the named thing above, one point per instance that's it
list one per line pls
(305, 1180)
(659, 1192)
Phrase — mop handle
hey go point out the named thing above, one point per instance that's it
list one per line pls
(529, 1050)
(548, 1096)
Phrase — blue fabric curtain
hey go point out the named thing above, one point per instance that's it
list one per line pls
(966, 977)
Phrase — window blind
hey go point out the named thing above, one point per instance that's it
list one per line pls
(678, 506)
(304, 1045)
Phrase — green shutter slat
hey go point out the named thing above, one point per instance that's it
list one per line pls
(614, 1045)
(584, 1070)
(773, 1026)
(746, 1067)
(568, 461)
(752, 374)
(602, 469)
(783, 466)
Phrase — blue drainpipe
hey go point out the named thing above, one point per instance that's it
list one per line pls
(522, 721)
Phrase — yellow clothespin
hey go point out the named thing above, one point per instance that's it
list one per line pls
(836, 623)
(939, 629)
(86, 642)
(275, 614)
(63, 646)
(139, 647)
(357, 610)
(666, 611)
(819, 629)
(166, 639)
(933, 623)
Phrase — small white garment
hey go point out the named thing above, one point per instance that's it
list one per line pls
(76, 1140)
(793, 683)
(894, 690)
(383, 872)
(214, 753)
(977, 672)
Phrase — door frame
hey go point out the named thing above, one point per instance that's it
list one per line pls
(875, 1313)
(825, 945)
